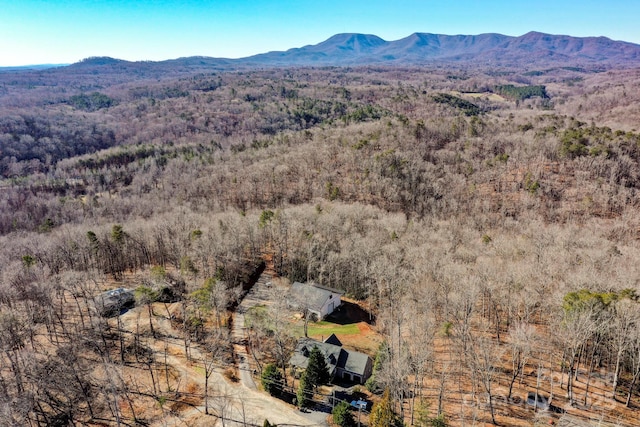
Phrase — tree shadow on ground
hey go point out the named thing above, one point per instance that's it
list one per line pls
(349, 313)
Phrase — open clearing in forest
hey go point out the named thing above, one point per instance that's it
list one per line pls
(488, 95)
(350, 323)
(325, 328)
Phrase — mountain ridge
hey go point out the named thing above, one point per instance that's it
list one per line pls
(487, 48)
(420, 48)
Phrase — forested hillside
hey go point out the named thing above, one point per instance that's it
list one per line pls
(489, 219)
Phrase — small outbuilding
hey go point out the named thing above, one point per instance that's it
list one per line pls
(318, 301)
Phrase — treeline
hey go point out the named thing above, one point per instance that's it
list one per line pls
(468, 108)
(91, 102)
(521, 92)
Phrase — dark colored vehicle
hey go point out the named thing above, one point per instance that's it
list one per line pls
(537, 401)
(111, 303)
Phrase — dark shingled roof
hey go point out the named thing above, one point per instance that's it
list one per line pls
(356, 362)
(335, 356)
(330, 352)
(333, 339)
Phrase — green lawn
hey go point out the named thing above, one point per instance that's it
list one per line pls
(325, 329)
(260, 314)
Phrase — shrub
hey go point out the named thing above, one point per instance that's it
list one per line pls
(271, 379)
(439, 421)
(230, 374)
(372, 385)
(342, 415)
(305, 392)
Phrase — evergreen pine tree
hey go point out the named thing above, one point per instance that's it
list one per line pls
(271, 379)
(317, 371)
(342, 415)
(382, 414)
(305, 391)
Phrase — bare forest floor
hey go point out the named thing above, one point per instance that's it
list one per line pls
(183, 389)
(465, 405)
(166, 375)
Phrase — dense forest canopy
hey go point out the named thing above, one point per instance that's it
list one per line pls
(466, 204)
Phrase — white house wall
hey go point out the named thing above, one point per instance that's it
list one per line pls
(335, 299)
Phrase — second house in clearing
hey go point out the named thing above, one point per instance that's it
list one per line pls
(318, 301)
(342, 363)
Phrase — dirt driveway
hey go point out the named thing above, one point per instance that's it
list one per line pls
(230, 404)
(261, 294)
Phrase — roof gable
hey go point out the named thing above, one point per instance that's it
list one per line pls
(333, 339)
(356, 362)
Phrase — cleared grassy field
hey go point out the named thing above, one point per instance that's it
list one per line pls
(490, 96)
(350, 324)
(325, 328)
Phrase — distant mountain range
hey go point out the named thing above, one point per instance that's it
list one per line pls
(425, 48)
(533, 49)
(32, 67)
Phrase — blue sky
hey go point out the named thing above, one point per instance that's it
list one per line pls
(65, 31)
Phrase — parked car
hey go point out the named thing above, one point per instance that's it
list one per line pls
(111, 303)
(537, 401)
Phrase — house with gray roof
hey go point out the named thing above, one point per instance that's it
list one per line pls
(342, 363)
(315, 299)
